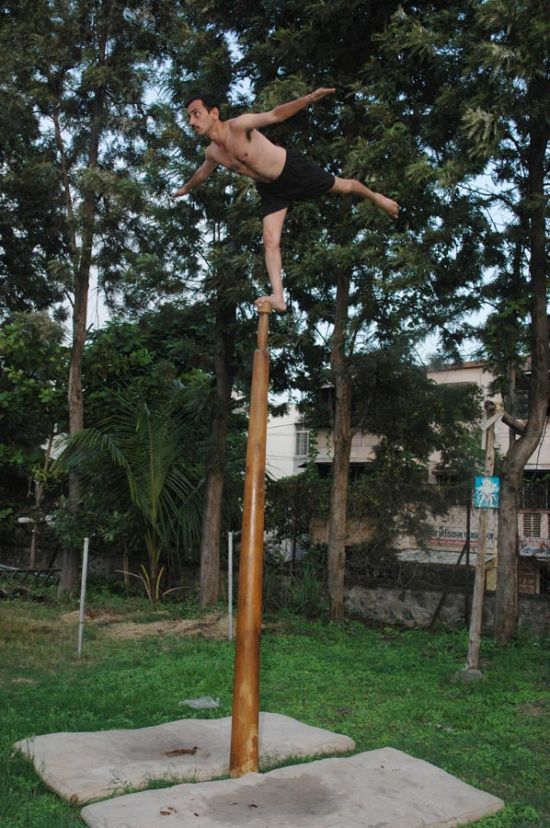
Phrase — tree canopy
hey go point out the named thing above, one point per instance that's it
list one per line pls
(442, 107)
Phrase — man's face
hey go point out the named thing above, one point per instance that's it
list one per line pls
(200, 119)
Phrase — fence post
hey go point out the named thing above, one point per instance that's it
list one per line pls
(83, 595)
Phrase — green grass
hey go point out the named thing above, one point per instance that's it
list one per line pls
(381, 687)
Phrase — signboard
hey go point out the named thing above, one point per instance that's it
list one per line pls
(445, 537)
(486, 492)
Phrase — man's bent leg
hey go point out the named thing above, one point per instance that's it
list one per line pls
(351, 185)
(272, 231)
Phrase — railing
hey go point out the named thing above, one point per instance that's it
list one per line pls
(15, 581)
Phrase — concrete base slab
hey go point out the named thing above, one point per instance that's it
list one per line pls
(85, 766)
(380, 789)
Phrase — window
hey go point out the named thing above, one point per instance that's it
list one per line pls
(523, 395)
(302, 442)
(522, 404)
(531, 524)
(535, 492)
(456, 492)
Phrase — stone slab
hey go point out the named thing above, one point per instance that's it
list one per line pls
(85, 766)
(379, 789)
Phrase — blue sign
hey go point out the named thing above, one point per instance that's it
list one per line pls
(486, 492)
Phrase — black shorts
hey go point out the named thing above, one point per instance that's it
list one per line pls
(300, 179)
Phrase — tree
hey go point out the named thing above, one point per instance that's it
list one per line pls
(492, 119)
(412, 417)
(357, 279)
(33, 365)
(510, 127)
(84, 68)
(214, 230)
(174, 344)
(139, 462)
(33, 362)
(32, 230)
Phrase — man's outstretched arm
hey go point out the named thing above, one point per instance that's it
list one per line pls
(280, 113)
(197, 178)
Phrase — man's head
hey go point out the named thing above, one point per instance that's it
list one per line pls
(203, 111)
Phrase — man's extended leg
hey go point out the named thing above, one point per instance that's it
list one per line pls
(273, 228)
(351, 185)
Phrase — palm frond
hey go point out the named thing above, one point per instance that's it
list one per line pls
(137, 458)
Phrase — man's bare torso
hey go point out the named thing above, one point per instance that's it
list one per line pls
(247, 152)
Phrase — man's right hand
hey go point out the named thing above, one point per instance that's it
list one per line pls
(178, 193)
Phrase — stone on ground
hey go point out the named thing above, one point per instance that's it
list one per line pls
(380, 789)
(85, 766)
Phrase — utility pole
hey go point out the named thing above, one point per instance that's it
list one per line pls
(474, 640)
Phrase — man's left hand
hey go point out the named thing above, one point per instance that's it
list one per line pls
(320, 93)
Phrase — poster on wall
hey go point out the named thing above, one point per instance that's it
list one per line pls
(486, 492)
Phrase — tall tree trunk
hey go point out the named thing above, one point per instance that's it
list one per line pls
(506, 608)
(213, 498)
(510, 402)
(71, 554)
(342, 447)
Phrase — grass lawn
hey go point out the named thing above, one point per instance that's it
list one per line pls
(381, 687)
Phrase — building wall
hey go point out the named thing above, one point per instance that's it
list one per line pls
(362, 447)
(476, 373)
(468, 373)
(533, 524)
(281, 457)
(449, 531)
(415, 609)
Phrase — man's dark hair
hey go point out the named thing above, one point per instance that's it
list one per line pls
(210, 101)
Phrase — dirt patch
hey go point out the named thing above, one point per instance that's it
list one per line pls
(212, 626)
(96, 616)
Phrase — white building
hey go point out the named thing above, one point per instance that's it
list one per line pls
(449, 533)
(287, 447)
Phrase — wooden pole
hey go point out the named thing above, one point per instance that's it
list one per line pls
(474, 640)
(467, 579)
(246, 688)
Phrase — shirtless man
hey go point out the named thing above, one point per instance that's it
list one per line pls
(282, 176)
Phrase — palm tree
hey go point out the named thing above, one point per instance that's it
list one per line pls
(138, 459)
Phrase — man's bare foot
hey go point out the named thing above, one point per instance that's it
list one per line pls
(390, 207)
(277, 302)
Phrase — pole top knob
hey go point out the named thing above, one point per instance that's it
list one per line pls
(265, 307)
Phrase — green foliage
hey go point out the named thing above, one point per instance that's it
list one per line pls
(412, 417)
(32, 230)
(140, 461)
(478, 98)
(493, 56)
(33, 362)
(362, 282)
(298, 587)
(428, 99)
(172, 345)
(292, 501)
